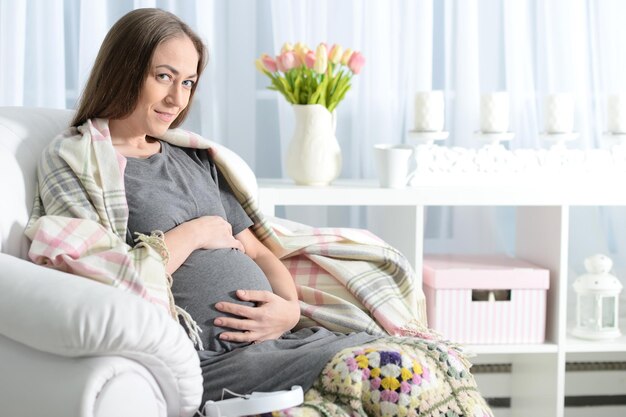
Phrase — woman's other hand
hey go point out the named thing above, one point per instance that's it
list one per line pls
(213, 232)
(272, 316)
(207, 232)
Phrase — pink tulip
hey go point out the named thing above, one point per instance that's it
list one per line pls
(357, 60)
(299, 60)
(279, 64)
(268, 63)
(309, 59)
(288, 60)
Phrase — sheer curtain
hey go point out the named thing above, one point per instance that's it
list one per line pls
(529, 48)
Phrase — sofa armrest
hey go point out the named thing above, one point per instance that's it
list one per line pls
(60, 313)
(33, 382)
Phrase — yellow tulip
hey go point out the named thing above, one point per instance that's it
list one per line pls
(259, 66)
(346, 56)
(286, 48)
(301, 50)
(321, 59)
(336, 53)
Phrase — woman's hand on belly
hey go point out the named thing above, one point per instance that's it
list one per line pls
(272, 316)
(206, 232)
(214, 232)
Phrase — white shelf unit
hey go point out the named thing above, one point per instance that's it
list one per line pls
(542, 216)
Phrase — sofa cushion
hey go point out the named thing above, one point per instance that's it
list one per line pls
(24, 132)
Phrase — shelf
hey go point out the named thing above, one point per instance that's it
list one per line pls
(572, 345)
(542, 225)
(447, 189)
(576, 345)
(511, 349)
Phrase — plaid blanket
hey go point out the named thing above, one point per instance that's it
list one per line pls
(79, 225)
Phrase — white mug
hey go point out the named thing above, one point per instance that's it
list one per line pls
(429, 111)
(392, 162)
(494, 112)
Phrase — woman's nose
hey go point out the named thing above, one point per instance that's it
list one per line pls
(176, 96)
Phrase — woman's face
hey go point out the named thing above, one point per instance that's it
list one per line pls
(167, 88)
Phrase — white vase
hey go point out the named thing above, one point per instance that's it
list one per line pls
(313, 155)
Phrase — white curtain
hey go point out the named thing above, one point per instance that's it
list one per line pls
(465, 47)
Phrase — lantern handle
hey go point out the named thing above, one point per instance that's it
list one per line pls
(598, 264)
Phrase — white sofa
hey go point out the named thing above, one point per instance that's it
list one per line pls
(72, 347)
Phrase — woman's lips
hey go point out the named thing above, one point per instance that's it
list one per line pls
(166, 117)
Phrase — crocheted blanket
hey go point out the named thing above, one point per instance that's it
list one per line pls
(394, 377)
(79, 225)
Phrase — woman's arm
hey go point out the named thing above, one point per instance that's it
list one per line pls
(277, 274)
(206, 232)
(275, 312)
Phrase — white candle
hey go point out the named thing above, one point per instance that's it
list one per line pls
(616, 113)
(494, 112)
(429, 111)
(559, 113)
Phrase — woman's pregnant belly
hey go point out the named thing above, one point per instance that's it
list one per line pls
(208, 277)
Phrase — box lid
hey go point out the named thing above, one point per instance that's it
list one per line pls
(483, 272)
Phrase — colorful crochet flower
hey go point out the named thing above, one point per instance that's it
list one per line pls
(400, 380)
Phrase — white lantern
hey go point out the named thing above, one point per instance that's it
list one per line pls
(597, 300)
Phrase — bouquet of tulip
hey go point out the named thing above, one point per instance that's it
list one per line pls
(306, 77)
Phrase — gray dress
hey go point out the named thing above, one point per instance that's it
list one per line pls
(180, 184)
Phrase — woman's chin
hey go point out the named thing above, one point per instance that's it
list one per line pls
(158, 131)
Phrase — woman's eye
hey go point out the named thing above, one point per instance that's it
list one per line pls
(164, 77)
(188, 83)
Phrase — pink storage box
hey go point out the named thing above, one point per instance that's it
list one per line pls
(486, 299)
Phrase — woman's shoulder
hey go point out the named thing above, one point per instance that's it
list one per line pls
(70, 134)
(68, 144)
(188, 152)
